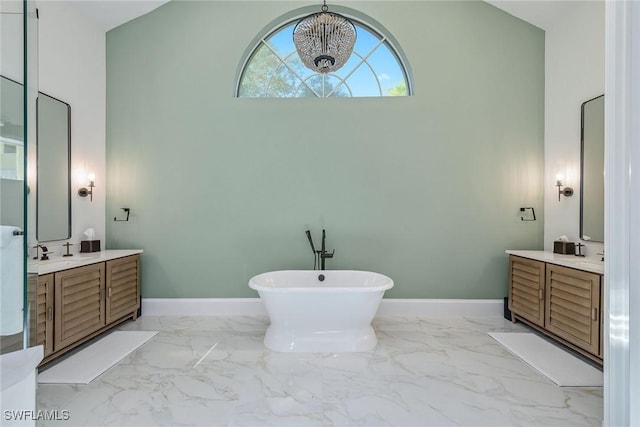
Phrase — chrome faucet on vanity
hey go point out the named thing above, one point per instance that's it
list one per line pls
(322, 254)
(45, 252)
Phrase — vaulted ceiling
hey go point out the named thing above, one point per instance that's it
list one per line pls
(109, 14)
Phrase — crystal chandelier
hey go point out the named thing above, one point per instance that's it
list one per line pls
(324, 40)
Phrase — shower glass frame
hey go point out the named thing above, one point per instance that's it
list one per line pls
(31, 88)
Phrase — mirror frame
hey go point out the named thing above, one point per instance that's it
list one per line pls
(38, 180)
(582, 171)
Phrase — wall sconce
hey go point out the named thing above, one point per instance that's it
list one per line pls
(84, 192)
(566, 191)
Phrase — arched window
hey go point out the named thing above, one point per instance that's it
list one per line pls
(273, 69)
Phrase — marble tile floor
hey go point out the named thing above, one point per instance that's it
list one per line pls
(215, 371)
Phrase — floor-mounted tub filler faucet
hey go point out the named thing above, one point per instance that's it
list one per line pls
(322, 254)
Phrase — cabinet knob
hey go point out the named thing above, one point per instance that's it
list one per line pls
(540, 293)
(594, 313)
(50, 313)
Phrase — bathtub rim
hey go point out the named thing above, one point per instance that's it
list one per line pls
(323, 289)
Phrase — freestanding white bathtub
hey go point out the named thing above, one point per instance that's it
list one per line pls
(321, 311)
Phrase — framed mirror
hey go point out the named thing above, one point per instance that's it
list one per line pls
(592, 170)
(53, 206)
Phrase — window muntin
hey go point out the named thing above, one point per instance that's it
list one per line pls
(274, 70)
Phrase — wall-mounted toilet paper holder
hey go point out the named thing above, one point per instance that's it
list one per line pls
(127, 210)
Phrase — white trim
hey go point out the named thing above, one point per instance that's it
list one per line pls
(254, 307)
(622, 210)
(11, 141)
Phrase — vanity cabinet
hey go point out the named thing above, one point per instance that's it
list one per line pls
(562, 302)
(76, 304)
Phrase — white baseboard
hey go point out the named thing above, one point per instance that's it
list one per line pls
(254, 307)
(203, 307)
(440, 307)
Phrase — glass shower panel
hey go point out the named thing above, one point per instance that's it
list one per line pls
(12, 131)
(18, 91)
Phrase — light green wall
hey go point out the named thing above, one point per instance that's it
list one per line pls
(425, 189)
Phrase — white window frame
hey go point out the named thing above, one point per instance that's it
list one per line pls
(359, 18)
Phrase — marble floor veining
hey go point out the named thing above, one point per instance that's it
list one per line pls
(215, 371)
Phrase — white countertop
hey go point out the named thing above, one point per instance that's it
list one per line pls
(59, 263)
(592, 265)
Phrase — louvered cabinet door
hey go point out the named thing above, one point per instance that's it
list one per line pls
(526, 289)
(123, 287)
(573, 306)
(79, 304)
(44, 313)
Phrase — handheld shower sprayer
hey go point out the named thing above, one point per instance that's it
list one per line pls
(311, 241)
(316, 254)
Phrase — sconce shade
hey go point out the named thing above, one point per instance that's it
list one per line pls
(324, 40)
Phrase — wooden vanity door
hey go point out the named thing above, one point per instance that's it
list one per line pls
(44, 313)
(79, 301)
(573, 306)
(526, 289)
(123, 287)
